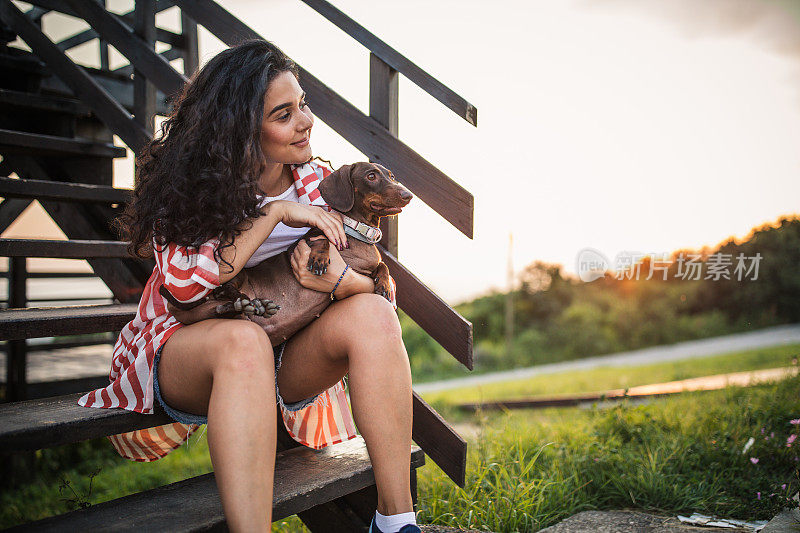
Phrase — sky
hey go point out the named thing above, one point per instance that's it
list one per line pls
(621, 125)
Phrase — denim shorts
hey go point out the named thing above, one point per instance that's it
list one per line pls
(190, 418)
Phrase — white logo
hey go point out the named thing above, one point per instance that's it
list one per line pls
(591, 265)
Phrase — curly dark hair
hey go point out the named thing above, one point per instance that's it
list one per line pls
(198, 179)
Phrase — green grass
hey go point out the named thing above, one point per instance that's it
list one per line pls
(606, 378)
(531, 468)
(54, 490)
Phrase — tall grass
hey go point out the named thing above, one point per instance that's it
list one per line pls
(676, 455)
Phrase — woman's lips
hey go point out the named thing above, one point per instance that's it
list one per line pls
(304, 142)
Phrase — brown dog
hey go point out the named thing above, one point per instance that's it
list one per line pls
(361, 192)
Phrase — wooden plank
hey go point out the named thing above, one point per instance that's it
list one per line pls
(144, 92)
(17, 351)
(48, 389)
(87, 35)
(384, 102)
(452, 331)
(56, 104)
(168, 55)
(71, 249)
(116, 82)
(18, 142)
(136, 50)
(49, 422)
(440, 441)
(62, 192)
(191, 56)
(397, 61)
(303, 478)
(429, 184)
(79, 82)
(36, 322)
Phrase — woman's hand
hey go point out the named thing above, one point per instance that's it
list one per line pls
(298, 215)
(352, 282)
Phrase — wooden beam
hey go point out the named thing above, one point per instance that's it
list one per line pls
(81, 84)
(168, 55)
(72, 249)
(62, 192)
(428, 183)
(191, 56)
(384, 102)
(144, 92)
(397, 61)
(440, 441)
(19, 142)
(303, 478)
(56, 104)
(135, 49)
(438, 319)
(33, 322)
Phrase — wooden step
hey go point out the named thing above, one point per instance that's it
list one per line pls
(17, 142)
(17, 324)
(48, 389)
(62, 192)
(70, 249)
(22, 100)
(304, 478)
(49, 422)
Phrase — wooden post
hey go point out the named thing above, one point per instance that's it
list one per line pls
(144, 92)
(191, 55)
(383, 107)
(103, 49)
(16, 380)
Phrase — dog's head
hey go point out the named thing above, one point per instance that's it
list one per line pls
(365, 192)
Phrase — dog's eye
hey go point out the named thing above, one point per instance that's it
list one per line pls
(371, 176)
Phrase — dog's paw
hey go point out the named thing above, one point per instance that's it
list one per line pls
(256, 306)
(382, 288)
(318, 263)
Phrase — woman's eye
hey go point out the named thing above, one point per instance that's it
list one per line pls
(284, 117)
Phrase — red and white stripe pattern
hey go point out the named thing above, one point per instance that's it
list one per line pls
(190, 273)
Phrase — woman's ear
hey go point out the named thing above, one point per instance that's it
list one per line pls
(337, 189)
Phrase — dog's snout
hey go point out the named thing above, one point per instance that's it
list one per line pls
(406, 195)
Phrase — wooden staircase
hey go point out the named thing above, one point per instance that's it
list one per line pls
(57, 122)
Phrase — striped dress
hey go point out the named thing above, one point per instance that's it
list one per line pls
(190, 273)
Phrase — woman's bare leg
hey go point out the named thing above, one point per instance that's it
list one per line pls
(225, 368)
(361, 335)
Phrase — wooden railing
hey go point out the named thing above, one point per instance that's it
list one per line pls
(134, 35)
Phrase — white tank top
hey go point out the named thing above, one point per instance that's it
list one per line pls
(282, 236)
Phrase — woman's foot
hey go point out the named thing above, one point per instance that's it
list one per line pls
(406, 521)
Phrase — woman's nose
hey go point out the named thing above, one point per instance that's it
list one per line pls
(306, 121)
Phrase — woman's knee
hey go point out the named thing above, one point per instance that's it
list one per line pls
(242, 346)
(375, 315)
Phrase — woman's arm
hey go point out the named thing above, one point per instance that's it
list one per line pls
(290, 213)
(352, 282)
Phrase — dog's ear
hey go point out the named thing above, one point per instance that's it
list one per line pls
(337, 189)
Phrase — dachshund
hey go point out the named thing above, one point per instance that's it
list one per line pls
(363, 193)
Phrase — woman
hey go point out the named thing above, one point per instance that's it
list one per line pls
(217, 189)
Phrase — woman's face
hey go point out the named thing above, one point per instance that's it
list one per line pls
(286, 123)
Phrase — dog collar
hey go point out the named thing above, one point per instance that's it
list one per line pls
(362, 232)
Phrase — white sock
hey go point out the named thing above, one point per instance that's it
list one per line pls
(393, 522)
